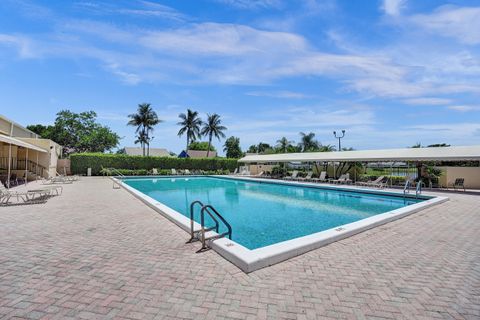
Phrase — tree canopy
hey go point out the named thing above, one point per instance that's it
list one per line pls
(78, 132)
(232, 148)
(145, 119)
(201, 145)
(190, 125)
(213, 128)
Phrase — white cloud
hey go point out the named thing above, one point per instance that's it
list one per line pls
(461, 23)
(277, 94)
(428, 101)
(464, 108)
(21, 43)
(393, 7)
(252, 4)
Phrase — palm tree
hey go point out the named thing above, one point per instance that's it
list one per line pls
(142, 139)
(283, 144)
(213, 128)
(145, 120)
(308, 142)
(326, 148)
(190, 125)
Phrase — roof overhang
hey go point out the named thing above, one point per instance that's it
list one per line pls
(20, 143)
(464, 153)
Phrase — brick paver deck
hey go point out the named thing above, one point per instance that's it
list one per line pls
(99, 253)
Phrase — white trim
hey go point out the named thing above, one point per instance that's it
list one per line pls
(460, 153)
(250, 260)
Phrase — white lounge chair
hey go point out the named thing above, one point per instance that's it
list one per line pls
(293, 176)
(308, 177)
(321, 178)
(6, 194)
(370, 183)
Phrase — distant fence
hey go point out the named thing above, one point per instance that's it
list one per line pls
(81, 161)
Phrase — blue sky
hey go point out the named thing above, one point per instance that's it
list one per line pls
(392, 73)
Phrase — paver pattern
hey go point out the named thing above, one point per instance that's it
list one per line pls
(99, 253)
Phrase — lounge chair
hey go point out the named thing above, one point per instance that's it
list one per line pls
(187, 172)
(321, 178)
(235, 172)
(57, 179)
(458, 184)
(258, 175)
(293, 176)
(154, 172)
(370, 183)
(308, 177)
(344, 178)
(6, 194)
(174, 172)
(69, 178)
(57, 189)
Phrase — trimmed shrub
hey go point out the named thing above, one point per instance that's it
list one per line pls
(81, 161)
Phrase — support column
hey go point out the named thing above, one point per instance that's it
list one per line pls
(9, 165)
(26, 167)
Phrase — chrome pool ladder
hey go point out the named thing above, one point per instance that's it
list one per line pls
(118, 175)
(200, 234)
(418, 189)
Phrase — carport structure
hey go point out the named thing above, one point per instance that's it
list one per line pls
(16, 155)
(417, 156)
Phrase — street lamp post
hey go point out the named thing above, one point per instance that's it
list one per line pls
(339, 137)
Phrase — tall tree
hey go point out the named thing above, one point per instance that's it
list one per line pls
(308, 142)
(232, 148)
(253, 149)
(284, 144)
(213, 128)
(264, 148)
(190, 125)
(142, 139)
(145, 119)
(78, 132)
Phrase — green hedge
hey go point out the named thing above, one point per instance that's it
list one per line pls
(162, 172)
(81, 161)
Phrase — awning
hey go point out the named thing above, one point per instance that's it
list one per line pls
(20, 143)
(464, 153)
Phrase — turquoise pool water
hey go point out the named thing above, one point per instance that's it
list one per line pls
(262, 214)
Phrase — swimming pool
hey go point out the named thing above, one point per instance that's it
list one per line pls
(266, 215)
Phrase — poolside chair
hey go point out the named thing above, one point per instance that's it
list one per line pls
(321, 178)
(258, 175)
(458, 184)
(344, 178)
(370, 183)
(155, 171)
(235, 172)
(308, 177)
(57, 179)
(6, 194)
(187, 172)
(68, 178)
(293, 176)
(174, 172)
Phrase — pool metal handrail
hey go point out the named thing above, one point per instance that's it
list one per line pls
(418, 190)
(201, 234)
(118, 174)
(193, 232)
(406, 188)
(207, 209)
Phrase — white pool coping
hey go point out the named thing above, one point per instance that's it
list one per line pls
(250, 260)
